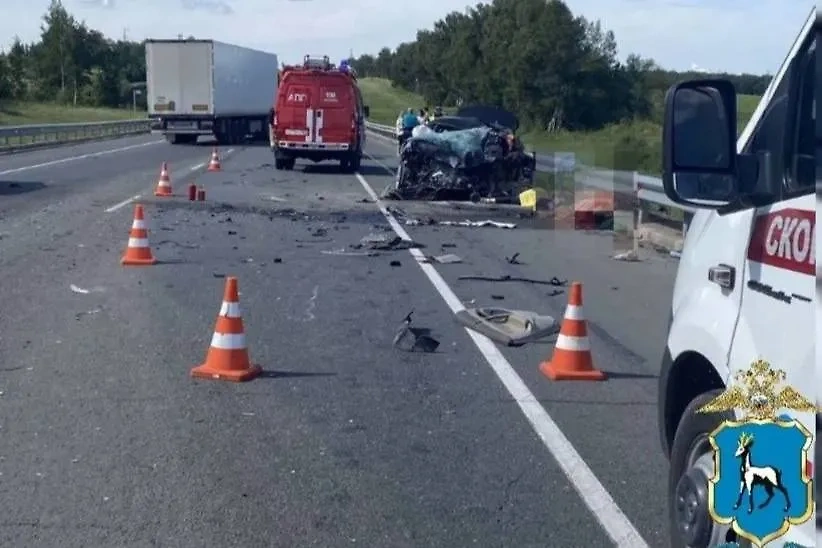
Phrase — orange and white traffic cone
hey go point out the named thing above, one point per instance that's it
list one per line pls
(227, 357)
(138, 251)
(164, 184)
(572, 359)
(214, 164)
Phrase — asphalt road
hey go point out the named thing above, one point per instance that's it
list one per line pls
(105, 440)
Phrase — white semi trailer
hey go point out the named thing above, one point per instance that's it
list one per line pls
(209, 88)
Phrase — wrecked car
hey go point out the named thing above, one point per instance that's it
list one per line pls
(472, 155)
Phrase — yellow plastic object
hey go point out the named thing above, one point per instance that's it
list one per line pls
(534, 198)
(528, 199)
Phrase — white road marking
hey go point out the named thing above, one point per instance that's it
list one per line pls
(390, 170)
(80, 157)
(124, 203)
(198, 166)
(613, 520)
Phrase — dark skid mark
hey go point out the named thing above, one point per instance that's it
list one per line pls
(9, 188)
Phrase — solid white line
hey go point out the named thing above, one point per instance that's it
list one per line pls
(122, 204)
(80, 157)
(198, 166)
(382, 165)
(613, 520)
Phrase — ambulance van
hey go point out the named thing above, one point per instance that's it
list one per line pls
(746, 286)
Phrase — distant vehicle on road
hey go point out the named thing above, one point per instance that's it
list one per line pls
(746, 286)
(318, 115)
(208, 88)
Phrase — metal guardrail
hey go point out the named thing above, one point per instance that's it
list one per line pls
(648, 190)
(32, 136)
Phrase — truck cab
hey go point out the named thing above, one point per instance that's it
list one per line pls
(746, 285)
(318, 115)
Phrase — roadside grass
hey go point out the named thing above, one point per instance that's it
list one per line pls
(387, 101)
(20, 114)
(14, 114)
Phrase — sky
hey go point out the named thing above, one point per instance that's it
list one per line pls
(712, 35)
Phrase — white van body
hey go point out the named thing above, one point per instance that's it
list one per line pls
(771, 311)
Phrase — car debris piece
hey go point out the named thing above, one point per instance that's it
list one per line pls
(473, 154)
(466, 223)
(553, 281)
(448, 258)
(345, 253)
(508, 327)
(513, 259)
(383, 242)
(414, 339)
(628, 256)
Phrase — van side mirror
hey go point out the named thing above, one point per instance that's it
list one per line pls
(699, 144)
(367, 111)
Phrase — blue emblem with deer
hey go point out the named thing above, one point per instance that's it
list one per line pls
(761, 485)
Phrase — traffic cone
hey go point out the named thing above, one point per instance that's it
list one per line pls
(572, 358)
(227, 357)
(214, 164)
(138, 251)
(164, 184)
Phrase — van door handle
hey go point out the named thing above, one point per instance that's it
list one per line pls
(722, 275)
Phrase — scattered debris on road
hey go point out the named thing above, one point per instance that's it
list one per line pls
(395, 263)
(508, 327)
(448, 258)
(80, 315)
(513, 259)
(414, 339)
(553, 281)
(381, 242)
(628, 256)
(345, 253)
(83, 291)
(466, 223)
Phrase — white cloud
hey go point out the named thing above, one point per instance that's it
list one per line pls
(727, 35)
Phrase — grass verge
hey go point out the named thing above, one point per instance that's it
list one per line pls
(21, 114)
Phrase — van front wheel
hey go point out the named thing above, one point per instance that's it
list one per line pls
(692, 466)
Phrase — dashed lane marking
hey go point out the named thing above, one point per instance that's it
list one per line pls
(80, 157)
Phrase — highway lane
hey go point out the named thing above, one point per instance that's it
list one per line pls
(45, 195)
(107, 442)
(613, 424)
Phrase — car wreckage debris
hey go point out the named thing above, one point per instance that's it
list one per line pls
(414, 339)
(471, 155)
(508, 327)
(381, 242)
(466, 223)
(553, 281)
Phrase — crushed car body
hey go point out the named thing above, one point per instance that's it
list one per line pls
(472, 155)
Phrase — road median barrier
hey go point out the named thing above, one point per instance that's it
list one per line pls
(33, 136)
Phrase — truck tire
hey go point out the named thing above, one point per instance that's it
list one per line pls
(172, 139)
(691, 467)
